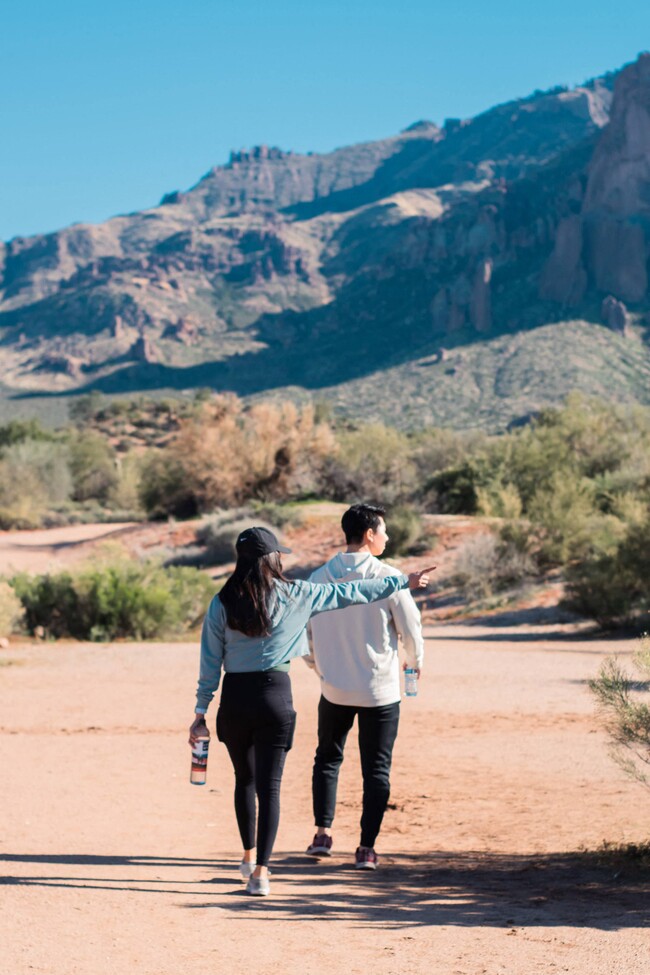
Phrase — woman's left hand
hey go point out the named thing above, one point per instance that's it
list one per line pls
(198, 729)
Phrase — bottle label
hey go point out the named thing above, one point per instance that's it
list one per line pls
(200, 754)
(199, 761)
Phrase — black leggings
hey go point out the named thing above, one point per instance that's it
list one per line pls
(256, 722)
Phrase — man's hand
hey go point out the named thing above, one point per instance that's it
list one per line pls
(198, 729)
(420, 580)
(417, 670)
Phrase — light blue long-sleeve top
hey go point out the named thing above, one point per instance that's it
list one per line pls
(292, 605)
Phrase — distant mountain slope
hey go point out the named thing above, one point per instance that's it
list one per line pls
(315, 271)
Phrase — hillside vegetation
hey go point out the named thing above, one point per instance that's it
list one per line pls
(569, 490)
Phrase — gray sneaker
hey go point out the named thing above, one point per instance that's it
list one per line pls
(258, 886)
(246, 869)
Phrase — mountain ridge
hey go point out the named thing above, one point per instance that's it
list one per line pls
(282, 270)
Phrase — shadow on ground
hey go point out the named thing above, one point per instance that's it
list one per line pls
(468, 889)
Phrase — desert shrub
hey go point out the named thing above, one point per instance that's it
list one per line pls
(11, 609)
(86, 407)
(563, 507)
(23, 519)
(48, 600)
(453, 491)
(499, 501)
(92, 465)
(613, 587)
(34, 474)
(278, 515)
(372, 463)
(220, 533)
(405, 531)
(163, 487)
(16, 431)
(125, 492)
(227, 453)
(486, 564)
(114, 599)
(435, 450)
(625, 705)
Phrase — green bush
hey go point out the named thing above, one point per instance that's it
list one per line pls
(11, 609)
(220, 533)
(34, 475)
(454, 491)
(278, 515)
(16, 431)
(613, 587)
(164, 488)
(405, 531)
(92, 465)
(625, 706)
(372, 463)
(115, 599)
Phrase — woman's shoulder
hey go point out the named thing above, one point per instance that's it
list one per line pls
(216, 607)
(291, 587)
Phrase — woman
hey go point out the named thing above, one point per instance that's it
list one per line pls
(252, 629)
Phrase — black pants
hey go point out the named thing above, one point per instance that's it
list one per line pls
(256, 722)
(377, 733)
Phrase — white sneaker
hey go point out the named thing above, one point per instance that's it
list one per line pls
(258, 886)
(246, 868)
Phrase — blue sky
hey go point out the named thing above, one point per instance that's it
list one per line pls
(106, 107)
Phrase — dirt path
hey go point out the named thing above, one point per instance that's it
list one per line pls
(52, 548)
(114, 864)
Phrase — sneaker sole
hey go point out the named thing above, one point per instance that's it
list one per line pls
(365, 866)
(318, 852)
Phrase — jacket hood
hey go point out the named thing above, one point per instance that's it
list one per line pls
(351, 566)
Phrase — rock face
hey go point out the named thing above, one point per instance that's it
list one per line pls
(143, 350)
(614, 314)
(606, 246)
(278, 268)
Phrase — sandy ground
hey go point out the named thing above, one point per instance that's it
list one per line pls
(113, 863)
(47, 549)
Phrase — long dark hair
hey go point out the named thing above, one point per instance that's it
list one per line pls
(247, 594)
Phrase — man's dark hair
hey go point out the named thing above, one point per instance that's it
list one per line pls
(358, 519)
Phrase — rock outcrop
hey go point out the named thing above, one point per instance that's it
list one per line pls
(444, 235)
(614, 314)
(606, 246)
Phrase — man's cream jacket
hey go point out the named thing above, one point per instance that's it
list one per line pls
(356, 651)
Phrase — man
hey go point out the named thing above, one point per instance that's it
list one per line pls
(356, 656)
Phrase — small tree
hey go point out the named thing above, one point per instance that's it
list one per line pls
(625, 704)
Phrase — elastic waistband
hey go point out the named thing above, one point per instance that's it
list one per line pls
(280, 672)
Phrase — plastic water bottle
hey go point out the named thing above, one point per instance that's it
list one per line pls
(199, 761)
(410, 682)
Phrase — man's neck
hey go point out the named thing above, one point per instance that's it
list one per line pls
(357, 548)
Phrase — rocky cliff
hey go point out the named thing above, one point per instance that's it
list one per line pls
(282, 269)
(604, 246)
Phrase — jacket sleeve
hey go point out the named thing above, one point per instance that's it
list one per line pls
(309, 658)
(408, 624)
(213, 647)
(337, 595)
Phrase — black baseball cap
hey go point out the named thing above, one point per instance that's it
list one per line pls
(254, 542)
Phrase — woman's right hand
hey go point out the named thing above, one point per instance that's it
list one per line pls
(420, 580)
(198, 729)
